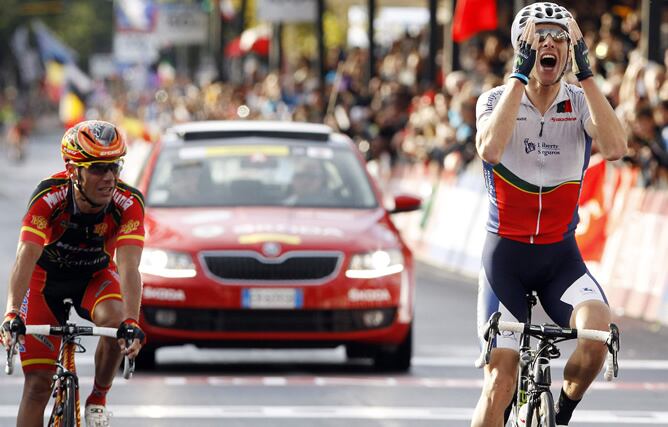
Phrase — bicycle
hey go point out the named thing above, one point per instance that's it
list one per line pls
(533, 401)
(66, 410)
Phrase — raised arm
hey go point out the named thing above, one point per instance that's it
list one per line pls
(494, 132)
(495, 129)
(603, 126)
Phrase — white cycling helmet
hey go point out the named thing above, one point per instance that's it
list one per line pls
(542, 13)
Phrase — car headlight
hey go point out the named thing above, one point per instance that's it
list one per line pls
(173, 265)
(375, 264)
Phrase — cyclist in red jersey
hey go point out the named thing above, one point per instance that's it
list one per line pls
(77, 220)
(534, 136)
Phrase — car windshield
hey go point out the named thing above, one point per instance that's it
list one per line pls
(260, 174)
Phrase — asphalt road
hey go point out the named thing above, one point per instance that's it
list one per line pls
(319, 387)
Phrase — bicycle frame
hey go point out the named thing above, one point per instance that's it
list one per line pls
(531, 383)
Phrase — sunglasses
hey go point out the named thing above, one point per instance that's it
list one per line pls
(101, 168)
(556, 34)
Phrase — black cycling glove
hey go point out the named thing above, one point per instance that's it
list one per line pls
(12, 324)
(581, 67)
(525, 58)
(129, 330)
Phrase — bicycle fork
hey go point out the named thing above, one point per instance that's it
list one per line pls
(542, 380)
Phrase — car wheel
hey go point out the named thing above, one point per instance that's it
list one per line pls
(397, 359)
(145, 360)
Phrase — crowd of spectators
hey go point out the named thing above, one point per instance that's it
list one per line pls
(395, 117)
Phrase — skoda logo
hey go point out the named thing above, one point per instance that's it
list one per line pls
(271, 249)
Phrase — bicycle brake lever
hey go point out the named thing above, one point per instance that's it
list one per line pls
(491, 331)
(9, 364)
(613, 347)
(492, 326)
(128, 368)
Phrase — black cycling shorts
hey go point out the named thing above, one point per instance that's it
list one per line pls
(512, 269)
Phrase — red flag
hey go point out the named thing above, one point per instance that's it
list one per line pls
(473, 16)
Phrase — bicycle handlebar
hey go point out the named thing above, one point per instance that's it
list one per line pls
(611, 338)
(74, 330)
(551, 331)
(71, 330)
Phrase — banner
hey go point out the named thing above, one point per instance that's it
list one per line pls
(591, 231)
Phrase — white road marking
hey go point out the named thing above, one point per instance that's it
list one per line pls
(417, 361)
(336, 381)
(635, 364)
(275, 381)
(346, 412)
(174, 381)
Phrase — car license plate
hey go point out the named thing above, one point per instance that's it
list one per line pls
(272, 298)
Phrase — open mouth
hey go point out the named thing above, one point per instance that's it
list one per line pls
(548, 61)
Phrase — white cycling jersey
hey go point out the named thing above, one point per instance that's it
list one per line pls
(534, 190)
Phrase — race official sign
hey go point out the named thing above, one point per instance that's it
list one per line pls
(287, 10)
(135, 48)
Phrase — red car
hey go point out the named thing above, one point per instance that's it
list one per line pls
(272, 235)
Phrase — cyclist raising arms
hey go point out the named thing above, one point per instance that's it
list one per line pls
(535, 135)
(75, 222)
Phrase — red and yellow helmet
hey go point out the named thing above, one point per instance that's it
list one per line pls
(93, 141)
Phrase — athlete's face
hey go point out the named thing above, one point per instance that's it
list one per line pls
(98, 181)
(552, 54)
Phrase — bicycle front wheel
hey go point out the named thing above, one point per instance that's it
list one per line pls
(545, 411)
(70, 416)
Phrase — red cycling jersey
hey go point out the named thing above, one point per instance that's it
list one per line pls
(78, 244)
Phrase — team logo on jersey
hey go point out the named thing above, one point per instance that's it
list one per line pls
(101, 229)
(129, 226)
(23, 310)
(45, 342)
(549, 149)
(55, 197)
(39, 222)
(565, 107)
(529, 146)
(123, 201)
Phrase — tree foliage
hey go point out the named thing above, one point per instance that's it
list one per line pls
(86, 26)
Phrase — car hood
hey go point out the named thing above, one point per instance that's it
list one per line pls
(242, 228)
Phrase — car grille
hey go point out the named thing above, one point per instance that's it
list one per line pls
(291, 267)
(210, 320)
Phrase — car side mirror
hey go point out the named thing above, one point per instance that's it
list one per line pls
(406, 203)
